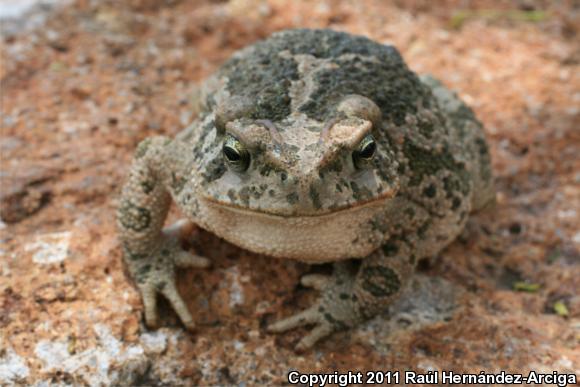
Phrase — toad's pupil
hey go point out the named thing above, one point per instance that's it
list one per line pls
(368, 151)
(232, 154)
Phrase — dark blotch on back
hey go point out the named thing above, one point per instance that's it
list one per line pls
(384, 78)
(328, 44)
(427, 162)
(380, 75)
(265, 77)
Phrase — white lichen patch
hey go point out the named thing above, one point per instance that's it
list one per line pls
(236, 288)
(13, 368)
(154, 342)
(108, 363)
(50, 248)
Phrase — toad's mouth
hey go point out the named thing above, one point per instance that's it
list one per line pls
(303, 212)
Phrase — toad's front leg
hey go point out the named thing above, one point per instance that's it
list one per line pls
(150, 253)
(347, 298)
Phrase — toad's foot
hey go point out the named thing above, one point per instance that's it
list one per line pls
(332, 312)
(348, 299)
(155, 274)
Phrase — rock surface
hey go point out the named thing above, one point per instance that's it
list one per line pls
(80, 92)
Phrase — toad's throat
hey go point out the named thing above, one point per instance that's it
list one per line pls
(300, 212)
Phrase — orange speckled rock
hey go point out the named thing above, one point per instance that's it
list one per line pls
(79, 93)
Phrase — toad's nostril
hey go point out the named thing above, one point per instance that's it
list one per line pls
(283, 176)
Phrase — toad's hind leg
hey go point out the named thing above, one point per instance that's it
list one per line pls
(348, 298)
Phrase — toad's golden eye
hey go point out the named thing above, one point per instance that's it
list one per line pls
(365, 152)
(235, 154)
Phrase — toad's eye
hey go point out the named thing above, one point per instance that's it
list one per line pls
(366, 150)
(235, 154)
